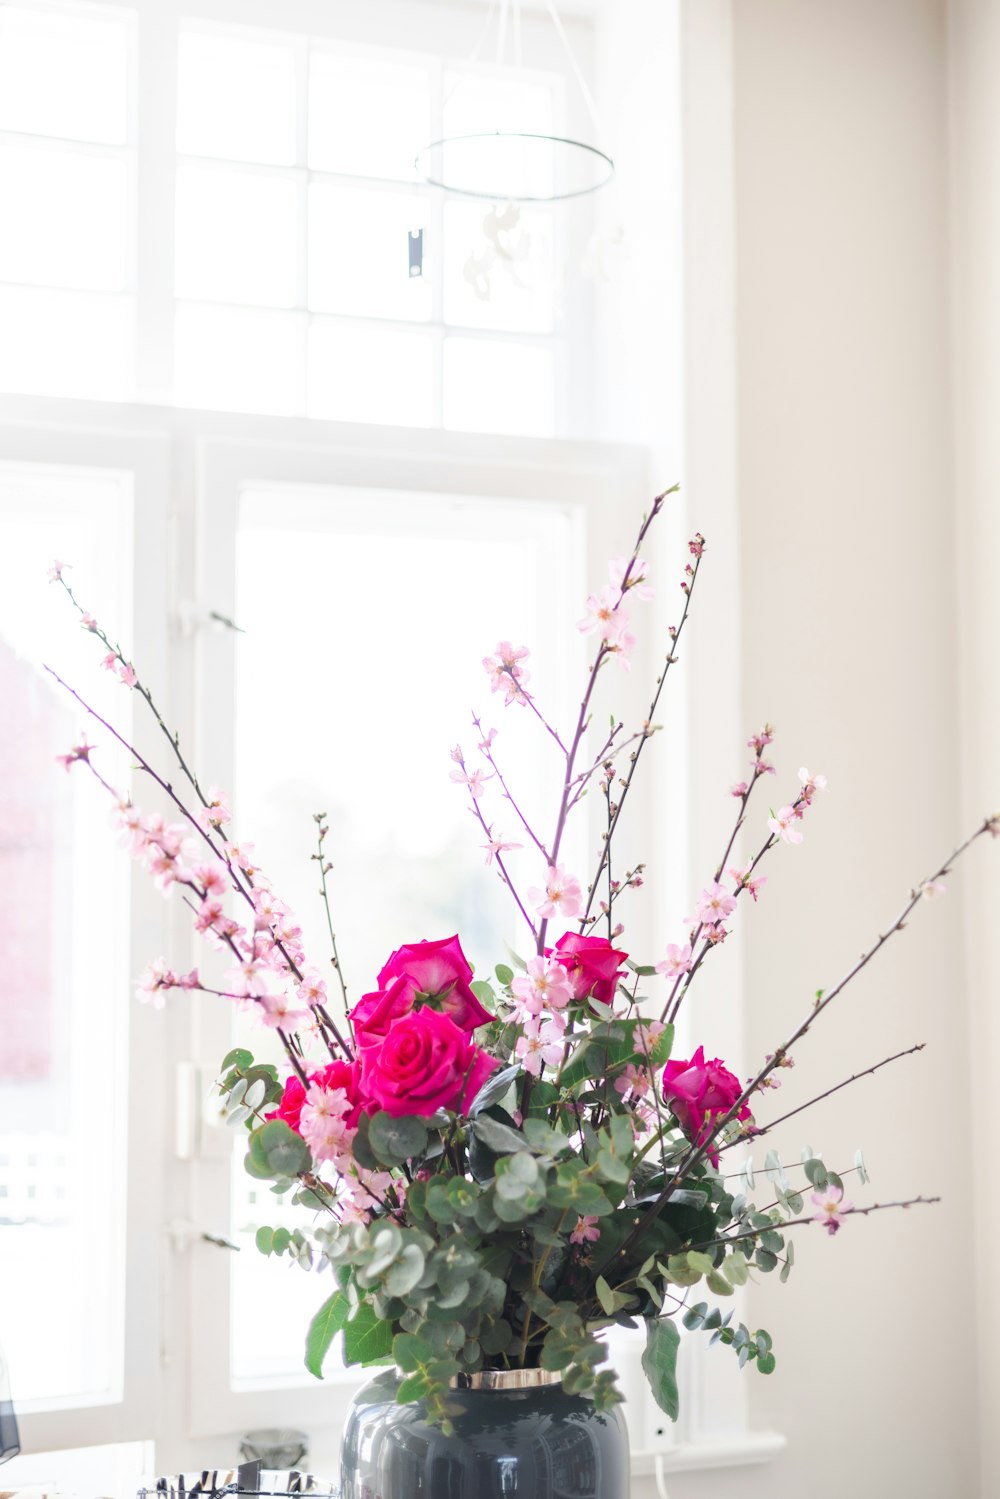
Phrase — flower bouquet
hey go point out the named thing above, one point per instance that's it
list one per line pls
(493, 1170)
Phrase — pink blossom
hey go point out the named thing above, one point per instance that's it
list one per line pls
(544, 986)
(810, 783)
(831, 1207)
(323, 1121)
(783, 825)
(88, 622)
(457, 756)
(632, 1082)
(622, 649)
(213, 877)
(714, 904)
(110, 661)
(740, 789)
(497, 846)
(55, 572)
(586, 1231)
(154, 979)
(540, 1044)
(312, 990)
(126, 674)
(80, 751)
(215, 814)
(473, 779)
(561, 896)
(714, 932)
(758, 741)
(743, 880)
(506, 674)
(636, 584)
(604, 614)
(486, 743)
(677, 961)
(930, 888)
(280, 1011)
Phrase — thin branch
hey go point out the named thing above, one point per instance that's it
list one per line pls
(324, 869)
(758, 1134)
(697, 1153)
(647, 729)
(874, 1207)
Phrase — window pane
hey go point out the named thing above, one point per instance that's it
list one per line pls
(368, 116)
(371, 374)
(236, 98)
(64, 74)
(498, 268)
(497, 386)
(60, 343)
(236, 236)
(454, 577)
(359, 259)
(65, 997)
(65, 218)
(231, 359)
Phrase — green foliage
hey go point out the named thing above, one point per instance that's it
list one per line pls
(324, 1327)
(659, 1363)
(396, 1140)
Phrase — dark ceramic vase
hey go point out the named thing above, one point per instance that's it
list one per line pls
(517, 1435)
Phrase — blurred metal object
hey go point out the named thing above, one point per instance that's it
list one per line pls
(275, 1447)
(275, 1483)
(10, 1440)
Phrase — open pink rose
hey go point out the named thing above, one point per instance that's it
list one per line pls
(435, 974)
(346, 1075)
(592, 964)
(374, 1013)
(425, 1063)
(697, 1092)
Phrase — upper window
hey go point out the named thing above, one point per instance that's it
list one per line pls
(257, 238)
(67, 171)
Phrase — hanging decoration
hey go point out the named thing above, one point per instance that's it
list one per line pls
(517, 165)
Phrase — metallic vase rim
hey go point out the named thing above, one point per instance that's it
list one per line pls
(506, 1379)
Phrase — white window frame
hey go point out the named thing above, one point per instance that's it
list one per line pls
(104, 446)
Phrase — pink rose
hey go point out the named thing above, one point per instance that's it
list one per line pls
(346, 1075)
(697, 1093)
(592, 964)
(436, 974)
(425, 1063)
(374, 1013)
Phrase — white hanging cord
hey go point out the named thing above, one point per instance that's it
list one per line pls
(473, 57)
(518, 52)
(661, 1480)
(588, 97)
(502, 31)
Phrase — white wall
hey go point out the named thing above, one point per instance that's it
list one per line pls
(837, 529)
(974, 37)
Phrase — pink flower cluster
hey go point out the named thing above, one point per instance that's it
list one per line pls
(506, 674)
(605, 609)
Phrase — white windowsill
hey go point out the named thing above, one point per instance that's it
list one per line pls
(736, 1452)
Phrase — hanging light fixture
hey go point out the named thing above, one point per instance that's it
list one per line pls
(517, 165)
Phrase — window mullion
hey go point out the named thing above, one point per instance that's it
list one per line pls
(154, 121)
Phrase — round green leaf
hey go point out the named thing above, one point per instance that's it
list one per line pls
(396, 1140)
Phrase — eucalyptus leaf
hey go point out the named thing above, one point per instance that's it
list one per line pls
(659, 1363)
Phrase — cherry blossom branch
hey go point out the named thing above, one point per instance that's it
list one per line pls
(130, 678)
(474, 809)
(604, 650)
(324, 869)
(698, 1152)
(682, 983)
(874, 1207)
(754, 1134)
(487, 753)
(697, 546)
(165, 786)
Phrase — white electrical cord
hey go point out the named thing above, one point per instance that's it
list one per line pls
(661, 1478)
